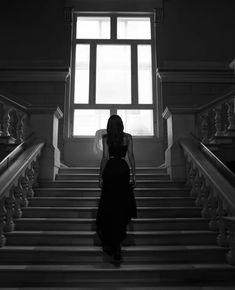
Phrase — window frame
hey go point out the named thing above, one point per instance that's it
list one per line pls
(134, 71)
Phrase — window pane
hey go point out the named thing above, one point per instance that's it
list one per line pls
(145, 74)
(137, 122)
(93, 27)
(81, 88)
(87, 122)
(113, 74)
(133, 28)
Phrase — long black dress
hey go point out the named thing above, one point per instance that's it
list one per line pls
(117, 203)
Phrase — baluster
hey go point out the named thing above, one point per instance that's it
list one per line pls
(35, 166)
(6, 121)
(191, 175)
(230, 225)
(199, 201)
(24, 126)
(9, 205)
(188, 167)
(231, 118)
(205, 196)
(222, 236)
(194, 176)
(218, 122)
(2, 222)
(23, 183)
(20, 128)
(1, 119)
(204, 127)
(18, 201)
(231, 253)
(12, 124)
(30, 177)
(213, 204)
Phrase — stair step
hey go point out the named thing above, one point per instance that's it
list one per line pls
(104, 276)
(90, 212)
(94, 192)
(94, 183)
(131, 255)
(76, 224)
(55, 244)
(38, 238)
(77, 170)
(94, 201)
(95, 176)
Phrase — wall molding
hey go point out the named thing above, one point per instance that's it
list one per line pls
(34, 75)
(196, 77)
(114, 5)
(195, 72)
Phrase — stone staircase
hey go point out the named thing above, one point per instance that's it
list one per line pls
(169, 246)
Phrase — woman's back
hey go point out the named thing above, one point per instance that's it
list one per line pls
(118, 150)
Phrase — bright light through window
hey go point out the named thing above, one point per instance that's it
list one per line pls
(87, 122)
(133, 28)
(144, 74)
(81, 86)
(93, 27)
(113, 74)
(137, 122)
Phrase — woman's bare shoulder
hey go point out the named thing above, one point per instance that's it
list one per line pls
(127, 137)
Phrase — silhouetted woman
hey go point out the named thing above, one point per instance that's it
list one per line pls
(117, 204)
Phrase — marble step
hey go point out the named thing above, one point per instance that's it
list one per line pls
(78, 224)
(107, 275)
(94, 201)
(94, 184)
(90, 212)
(94, 255)
(88, 170)
(84, 238)
(95, 192)
(95, 176)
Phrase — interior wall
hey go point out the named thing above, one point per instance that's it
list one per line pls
(196, 30)
(194, 48)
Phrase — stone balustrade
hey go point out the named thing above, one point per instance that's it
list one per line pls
(21, 169)
(216, 120)
(13, 121)
(213, 193)
(16, 186)
(18, 122)
(212, 190)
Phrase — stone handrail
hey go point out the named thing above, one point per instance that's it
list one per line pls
(13, 120)
(16, 186)
(227, 173)
(216, 120)
(213, 193)
(10, 158)
(230, 176)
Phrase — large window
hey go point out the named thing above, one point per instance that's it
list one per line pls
(112, 73)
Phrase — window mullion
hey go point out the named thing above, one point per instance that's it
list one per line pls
(134, 74)
(92, 73)
(113, 28)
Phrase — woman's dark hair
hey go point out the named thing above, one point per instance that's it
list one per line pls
(115, 131)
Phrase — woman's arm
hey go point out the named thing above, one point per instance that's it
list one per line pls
(131, 158)
(103, 160)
